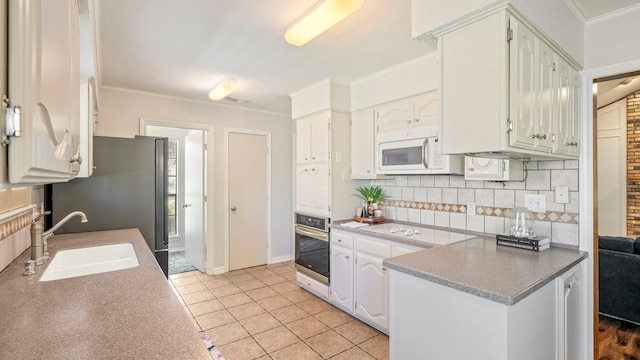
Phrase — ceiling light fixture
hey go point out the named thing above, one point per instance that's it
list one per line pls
(320, 17)
(224, 88)
(626, 81)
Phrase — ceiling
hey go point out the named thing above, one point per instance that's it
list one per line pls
(183, 48)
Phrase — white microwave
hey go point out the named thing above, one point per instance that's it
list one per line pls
(415, 151)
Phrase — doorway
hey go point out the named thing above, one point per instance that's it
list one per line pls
(610, 194)
(187, 156)
(248, 198)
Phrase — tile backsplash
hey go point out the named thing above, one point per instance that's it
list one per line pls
(441, 200)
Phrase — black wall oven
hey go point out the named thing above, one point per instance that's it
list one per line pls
(312, 246)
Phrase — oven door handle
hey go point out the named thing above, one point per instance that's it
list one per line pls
(316, 235)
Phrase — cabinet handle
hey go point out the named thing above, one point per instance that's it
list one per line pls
(368, 171)
(538, 136)
(313, 158)
(471, 169)
(384, 269)
(416, 120)
(339, 240)
(347, 257)
(408, 121)
(567, 286)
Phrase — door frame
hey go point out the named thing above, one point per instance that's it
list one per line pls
(227, 131)
(589, 196)
(208, 178)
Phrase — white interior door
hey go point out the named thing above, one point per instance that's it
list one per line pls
(193, 206)
(612, 175)
(247, 182)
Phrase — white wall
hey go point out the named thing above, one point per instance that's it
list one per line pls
(612, 39)
(410, 78)
(119, 117)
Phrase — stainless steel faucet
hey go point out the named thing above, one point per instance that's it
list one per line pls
(39, 249)
(36, 238)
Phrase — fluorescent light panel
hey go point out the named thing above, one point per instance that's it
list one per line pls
(224, 88)
(323, 15)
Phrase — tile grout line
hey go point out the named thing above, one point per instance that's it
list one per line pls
(251, 277)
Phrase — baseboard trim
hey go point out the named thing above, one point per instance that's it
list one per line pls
(219, 270)
(280, 259)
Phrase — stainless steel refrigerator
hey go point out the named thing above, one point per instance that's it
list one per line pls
(128, 189)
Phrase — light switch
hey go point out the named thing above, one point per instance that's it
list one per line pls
(562, 194)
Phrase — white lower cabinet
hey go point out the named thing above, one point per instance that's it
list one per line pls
(372, 290)
(359, 282)
(341, 270)
(430, 320)
(569, 319)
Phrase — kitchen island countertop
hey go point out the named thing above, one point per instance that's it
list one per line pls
(477, 265)
(127, 314)
(481, 267)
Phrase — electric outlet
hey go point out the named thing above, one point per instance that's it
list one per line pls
(562, 194)
(471, 208)
(536, 203)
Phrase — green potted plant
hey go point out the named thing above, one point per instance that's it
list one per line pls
(371, 195)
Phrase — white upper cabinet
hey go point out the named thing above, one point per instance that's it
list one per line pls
(409, 113)
(567, 128)
(312, 139)
(363, 144)
(88, 118)
(44, 80)
(533, 85)
(512, 98)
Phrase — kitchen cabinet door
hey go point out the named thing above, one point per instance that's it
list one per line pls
(427, 109)
(304, 189)
(398, 115)
(567, 125)
(320, 188)
(88, 114)
(363, 145)
(44, 73)
(319, 127)
(303, 142)
(569, 314)
(341, 273)
(372, 290)
(546, 89)
(523, 87)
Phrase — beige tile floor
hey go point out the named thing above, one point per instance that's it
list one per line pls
(261, 313)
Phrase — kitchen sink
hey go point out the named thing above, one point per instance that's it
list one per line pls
(90, 260)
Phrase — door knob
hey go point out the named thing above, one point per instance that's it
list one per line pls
(233, 208)
(186, 205)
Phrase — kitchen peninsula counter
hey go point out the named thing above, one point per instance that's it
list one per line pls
(128, 314)
(478, 265)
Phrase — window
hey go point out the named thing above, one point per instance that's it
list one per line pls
(172, 187)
